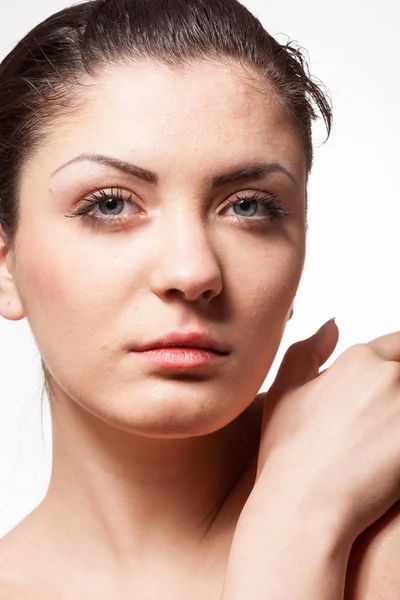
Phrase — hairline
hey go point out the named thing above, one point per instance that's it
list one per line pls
(77, 101)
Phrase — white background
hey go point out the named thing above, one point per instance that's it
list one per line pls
(353, 242)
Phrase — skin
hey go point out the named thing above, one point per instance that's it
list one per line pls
(151, 468)
(373, 569)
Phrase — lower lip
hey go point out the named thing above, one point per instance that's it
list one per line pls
(183, 358)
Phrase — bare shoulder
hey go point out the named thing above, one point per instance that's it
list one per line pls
(374, 567)
(11, 587)
(19, 555)
(11, 591)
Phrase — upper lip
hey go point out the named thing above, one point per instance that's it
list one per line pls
(193, 339)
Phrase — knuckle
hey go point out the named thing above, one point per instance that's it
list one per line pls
(293, 349)
(359, 352)
(390, 373)
(297, 351)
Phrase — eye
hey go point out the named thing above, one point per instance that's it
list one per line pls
(109, 208)
(246, 205)
(104, 207)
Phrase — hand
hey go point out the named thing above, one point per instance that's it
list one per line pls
(301, 364)
(333, 438)
(287, 545)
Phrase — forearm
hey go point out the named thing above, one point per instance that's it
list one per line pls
(281, 556)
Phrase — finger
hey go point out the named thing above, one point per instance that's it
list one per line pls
(303, 359)
(387, 346)
(325, 343)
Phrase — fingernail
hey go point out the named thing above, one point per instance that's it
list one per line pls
(325, 324)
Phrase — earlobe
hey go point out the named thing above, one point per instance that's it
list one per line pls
(10, 303)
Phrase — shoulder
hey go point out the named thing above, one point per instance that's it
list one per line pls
(373, 570)
(19, 561)
(10, 581)
(11, 567)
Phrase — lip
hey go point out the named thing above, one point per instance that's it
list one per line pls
(192, 339)
(183, 359)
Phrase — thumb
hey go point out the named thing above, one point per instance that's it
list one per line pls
(303, 359)
(300, 365)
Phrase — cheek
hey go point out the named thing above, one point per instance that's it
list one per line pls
(271, 274)
(271, 281)
(66, 292)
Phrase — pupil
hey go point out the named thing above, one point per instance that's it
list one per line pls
(112, 204)
(244, 205)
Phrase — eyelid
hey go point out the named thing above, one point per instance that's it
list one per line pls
(105, 192)
(250, 192)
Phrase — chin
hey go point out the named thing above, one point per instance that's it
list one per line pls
(166, 411)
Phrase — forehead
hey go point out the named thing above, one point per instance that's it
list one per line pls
(205, 110)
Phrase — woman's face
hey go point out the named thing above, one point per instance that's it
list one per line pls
(189, 246)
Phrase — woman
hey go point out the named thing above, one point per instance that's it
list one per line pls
(155, 156)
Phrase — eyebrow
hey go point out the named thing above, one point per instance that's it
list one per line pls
(245, 174)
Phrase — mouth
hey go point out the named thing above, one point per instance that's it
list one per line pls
(188, 348)
(183, 358)
(195, 340)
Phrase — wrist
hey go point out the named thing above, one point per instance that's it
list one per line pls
(314, 500)
(288, 554)
(302, 517)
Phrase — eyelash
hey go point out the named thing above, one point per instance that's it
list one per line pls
(276, 208)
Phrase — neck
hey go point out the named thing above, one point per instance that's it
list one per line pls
(122, 496)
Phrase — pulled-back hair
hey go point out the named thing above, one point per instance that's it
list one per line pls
(41, 77)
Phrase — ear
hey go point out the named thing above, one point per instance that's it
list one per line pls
(10, 303)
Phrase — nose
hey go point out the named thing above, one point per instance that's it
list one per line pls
(186, 263)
